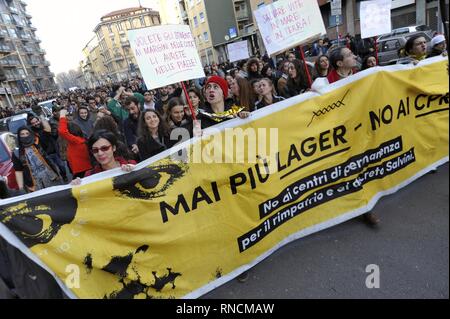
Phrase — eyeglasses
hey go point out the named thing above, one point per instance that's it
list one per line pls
(104, 149)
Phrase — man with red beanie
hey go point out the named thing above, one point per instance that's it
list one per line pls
(217, 107)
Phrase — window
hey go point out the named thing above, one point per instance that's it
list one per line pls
(206, 36)
(110, 29)
(391, 45)
(199, 39)
(142, 21)
(195, 21)
(119, 27)
(12, 33)
(6, 18)
(202, 17)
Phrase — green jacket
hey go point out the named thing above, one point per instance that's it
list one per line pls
(120, 111)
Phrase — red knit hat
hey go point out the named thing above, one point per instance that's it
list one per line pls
(220, 82)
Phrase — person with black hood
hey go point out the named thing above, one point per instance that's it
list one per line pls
(34, 169)
(84, 121)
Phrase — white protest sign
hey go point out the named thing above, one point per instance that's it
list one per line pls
(375, 18)
(238, 51)
(288, 23)
(166, 54)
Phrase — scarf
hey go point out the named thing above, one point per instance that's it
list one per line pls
(43, 174)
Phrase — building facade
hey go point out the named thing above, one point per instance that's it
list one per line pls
(21, 56)
(216, 23)
(404, 13)
(108, 57)
(172, 12)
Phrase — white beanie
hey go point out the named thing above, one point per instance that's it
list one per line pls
(437, 39)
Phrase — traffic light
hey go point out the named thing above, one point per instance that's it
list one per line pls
(2, 75)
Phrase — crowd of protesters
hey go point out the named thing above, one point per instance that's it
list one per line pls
(120, 125)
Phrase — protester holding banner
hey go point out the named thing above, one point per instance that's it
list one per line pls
(217, 107)
(103, 146)
(110, 124)
(34, 170)
(77, 151)
(267, 94)
(415, 50)
(153, 134)
(297, 82)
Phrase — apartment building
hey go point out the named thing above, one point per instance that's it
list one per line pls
(21, 57)
(108, 57)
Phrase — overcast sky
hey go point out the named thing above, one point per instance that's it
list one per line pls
(66, 26)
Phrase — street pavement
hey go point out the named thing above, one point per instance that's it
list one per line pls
(410, 246)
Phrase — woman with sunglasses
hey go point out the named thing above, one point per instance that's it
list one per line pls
(103, 146)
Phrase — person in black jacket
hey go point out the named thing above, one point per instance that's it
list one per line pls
(298, 81)
(130, 125)
(153, 135)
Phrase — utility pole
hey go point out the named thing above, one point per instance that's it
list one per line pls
(23, 66)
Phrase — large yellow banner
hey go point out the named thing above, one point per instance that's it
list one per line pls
(179, 229)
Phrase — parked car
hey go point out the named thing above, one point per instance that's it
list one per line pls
(388, 48)
(8, 143)
(404, 30)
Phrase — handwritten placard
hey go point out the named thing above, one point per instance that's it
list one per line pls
(289, 23)
(238, 51)
(166, 54)
(375, 18)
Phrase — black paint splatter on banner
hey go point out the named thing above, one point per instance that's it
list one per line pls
(37, 220)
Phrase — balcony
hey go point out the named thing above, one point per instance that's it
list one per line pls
(9, 63)
(13, 10)
(13, 77)
(28, 50)
(125, 43)
(29, 16)
(23, 3)
(41, 51)
(46, 63)
(5, 48)
(3, 33)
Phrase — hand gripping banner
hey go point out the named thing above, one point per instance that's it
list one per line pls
(175, 229)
